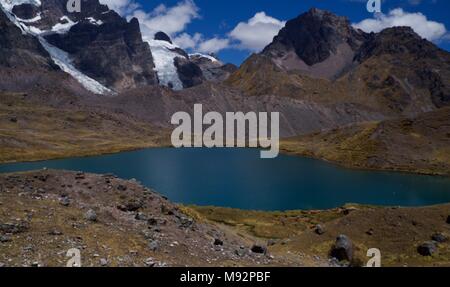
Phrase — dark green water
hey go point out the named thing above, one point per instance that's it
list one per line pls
(239, 178)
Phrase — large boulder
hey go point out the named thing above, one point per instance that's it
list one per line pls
(161, 36)
(189, 73)
(428, 248)
(342, 249)
(439, 237)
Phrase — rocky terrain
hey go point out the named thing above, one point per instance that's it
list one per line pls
(115, 222)
(413, 237)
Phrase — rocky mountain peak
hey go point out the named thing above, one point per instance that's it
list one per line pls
(317, 43)
(161, 36)
(315, 35)
(396, 40)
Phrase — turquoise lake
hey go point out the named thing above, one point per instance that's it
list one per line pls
(238, 178)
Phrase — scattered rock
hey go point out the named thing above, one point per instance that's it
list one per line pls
(153, 245)
(5, 238)
(35, 264)
(2, 264)
(217, 241)
(427, 248)
(121, 187)
(13, 120)
(333, 262)
(186, 222)
(132, 205)
(259, 249)
(80, 176)
(55, 232)
(439, 237)
(342, 249)
(43, 178)
(271, 242)
(348, 210)
(103, 262)
(41, 190)
(319, 229)
(152, 221)
(90, 215)
(240, 252)
(140, 216)
(370, 232)
(165, 210)
(14, 228)
(149, 262)
(64, 201)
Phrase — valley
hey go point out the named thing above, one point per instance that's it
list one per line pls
(75, 85)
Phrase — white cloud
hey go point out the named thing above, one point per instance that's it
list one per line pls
(123, 7)
(257, 32)
(170, 20)
(199, 44)
(252, 35)
(427, 29)
(187, 41)
(213, 45)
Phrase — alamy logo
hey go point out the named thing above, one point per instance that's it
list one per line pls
(209, 130)
(73, 6)
(75, 258)
(375, 260)
(374, 6)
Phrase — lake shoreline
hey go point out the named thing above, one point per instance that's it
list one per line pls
(240, 179)
(290, 238)
(283, 150)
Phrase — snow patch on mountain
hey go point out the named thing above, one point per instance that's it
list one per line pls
(211, 58)
(62, 28)
(63, 60)
(60, 57)
(164, 55)
(94, 21)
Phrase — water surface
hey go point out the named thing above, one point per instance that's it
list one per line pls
(239, 178)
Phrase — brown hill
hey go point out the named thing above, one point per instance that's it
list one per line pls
(419, 144)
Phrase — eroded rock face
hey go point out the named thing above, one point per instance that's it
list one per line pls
(190, 74)
(18, 50)
(313, 38)
(213, 70)
(107, 48)
(25, 11)
(161, 36)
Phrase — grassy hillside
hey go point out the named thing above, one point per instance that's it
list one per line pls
(420, 144)
(31, 131)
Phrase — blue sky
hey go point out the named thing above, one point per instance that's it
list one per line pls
(212, 25)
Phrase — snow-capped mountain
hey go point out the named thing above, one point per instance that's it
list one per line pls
(164, 55)
(106, 53)
(29, 10)
(177, 69)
